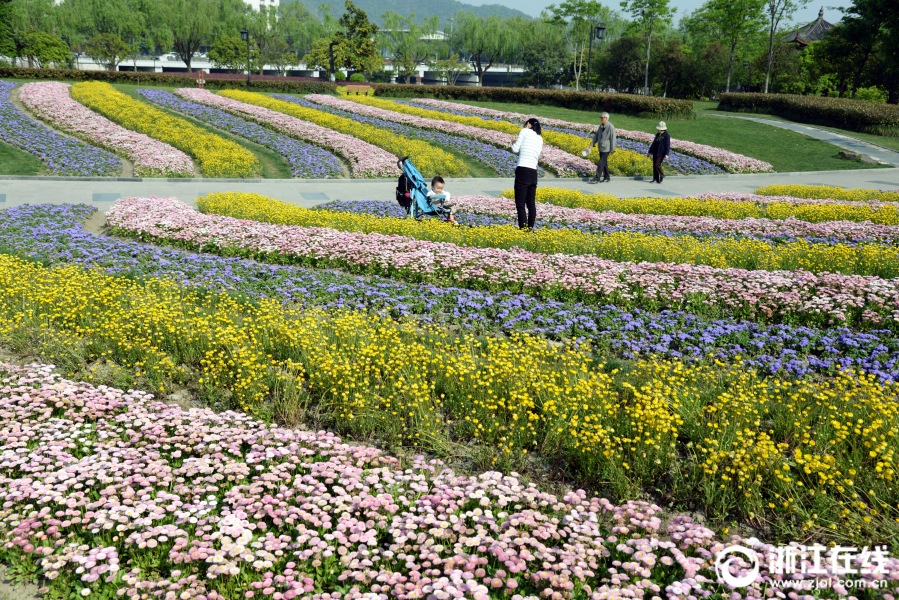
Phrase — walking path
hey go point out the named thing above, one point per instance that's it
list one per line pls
(847, 142)
(309, 192)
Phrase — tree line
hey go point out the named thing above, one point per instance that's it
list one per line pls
(725, 45)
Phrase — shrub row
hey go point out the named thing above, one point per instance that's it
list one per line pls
(647, 106)
(644, 106)
(858, 115)
(299, 85)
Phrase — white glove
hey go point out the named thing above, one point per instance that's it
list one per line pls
(584, 153)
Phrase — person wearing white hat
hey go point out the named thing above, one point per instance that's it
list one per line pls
(659, 150)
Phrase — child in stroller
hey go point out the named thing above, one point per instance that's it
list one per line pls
(412, 194)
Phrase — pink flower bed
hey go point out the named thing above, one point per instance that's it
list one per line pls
(830, 297)
(505, 207)
(563, 163)
(365, 159)
(731, 161)
(50, 101)
(114, 493)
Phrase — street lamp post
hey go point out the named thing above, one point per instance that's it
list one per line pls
(599, 32)
(331, 64)
(542, 64)
(245, 36)
(746, 65)
(646, 81)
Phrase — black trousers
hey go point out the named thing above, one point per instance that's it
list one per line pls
(602, 167)
(657, 172)
(526, 196)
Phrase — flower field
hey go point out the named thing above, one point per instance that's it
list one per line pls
(503, 161)
(680, 162)
(561, 151)
(731, 161)
(216, 156)
(366, 160)
(152, 158)
(253, 400)
(428, 159)
(305, 160)
(62, 155)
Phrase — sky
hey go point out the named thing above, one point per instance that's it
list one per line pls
(802, 16)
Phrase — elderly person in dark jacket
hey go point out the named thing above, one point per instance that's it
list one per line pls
(604, 139)
(659, 151)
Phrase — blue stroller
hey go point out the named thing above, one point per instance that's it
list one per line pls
(412, 193)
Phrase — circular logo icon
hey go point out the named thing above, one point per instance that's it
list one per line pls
(729, 555)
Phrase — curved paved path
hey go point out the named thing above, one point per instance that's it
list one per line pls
(847, 142)
(309, 192)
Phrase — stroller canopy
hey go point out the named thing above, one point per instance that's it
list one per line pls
(418, 192)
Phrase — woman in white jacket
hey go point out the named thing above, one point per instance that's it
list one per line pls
(528, 147)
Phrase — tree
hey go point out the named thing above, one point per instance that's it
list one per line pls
(648, 12)
(577, 17)
(44, 49)
(777, 11)
(451, 69)
(357, 34)
(545, 55)
(278, 54)
(408, 42)
(7, 47)
(671, 62)
(230, 52)
(485, 40)
(26, 18)
(189, 24)
(739, 19)
(107, 49)
(319, 55)
(621, 66)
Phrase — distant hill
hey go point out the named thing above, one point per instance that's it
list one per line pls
(444, 9)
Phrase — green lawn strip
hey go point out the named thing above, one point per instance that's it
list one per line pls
(272, 164)
(18, 162)
(881, 140)
(786, 150)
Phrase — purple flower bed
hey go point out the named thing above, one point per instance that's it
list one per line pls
(55, 234)
(197, 505)
(61, 154)
(305, 160)
(676, 160)
(502, 161)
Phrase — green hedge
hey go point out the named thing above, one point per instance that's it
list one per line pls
(629, 104)
(857, 115)
(172, 79)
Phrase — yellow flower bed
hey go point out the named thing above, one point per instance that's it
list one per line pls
(863, 259)
(428, 159)
(828, 462)
(724, 209)
(622, 162)
(824, 192)
(216, 156)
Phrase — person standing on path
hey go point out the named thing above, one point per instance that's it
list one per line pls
(659, 150)
(604, 139)
(528, 147)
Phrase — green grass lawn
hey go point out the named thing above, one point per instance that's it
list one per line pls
(17, 162)
(785, 150)
(882, 140)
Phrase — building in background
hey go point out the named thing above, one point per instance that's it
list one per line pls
(256, 4)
